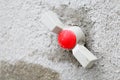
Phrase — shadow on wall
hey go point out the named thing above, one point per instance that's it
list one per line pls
(77, 17)
(73, 17)
(26, 71)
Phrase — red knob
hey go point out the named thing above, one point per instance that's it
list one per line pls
(67, 39)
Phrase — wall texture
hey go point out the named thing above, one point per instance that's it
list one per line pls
(29, 51)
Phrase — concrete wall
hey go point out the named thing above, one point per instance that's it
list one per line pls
(29, 51)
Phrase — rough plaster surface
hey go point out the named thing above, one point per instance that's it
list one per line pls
(29, 51)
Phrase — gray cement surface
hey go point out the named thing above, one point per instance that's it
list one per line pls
(29, 51)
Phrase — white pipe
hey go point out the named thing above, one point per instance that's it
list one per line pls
(51, 21)
(84, 56)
